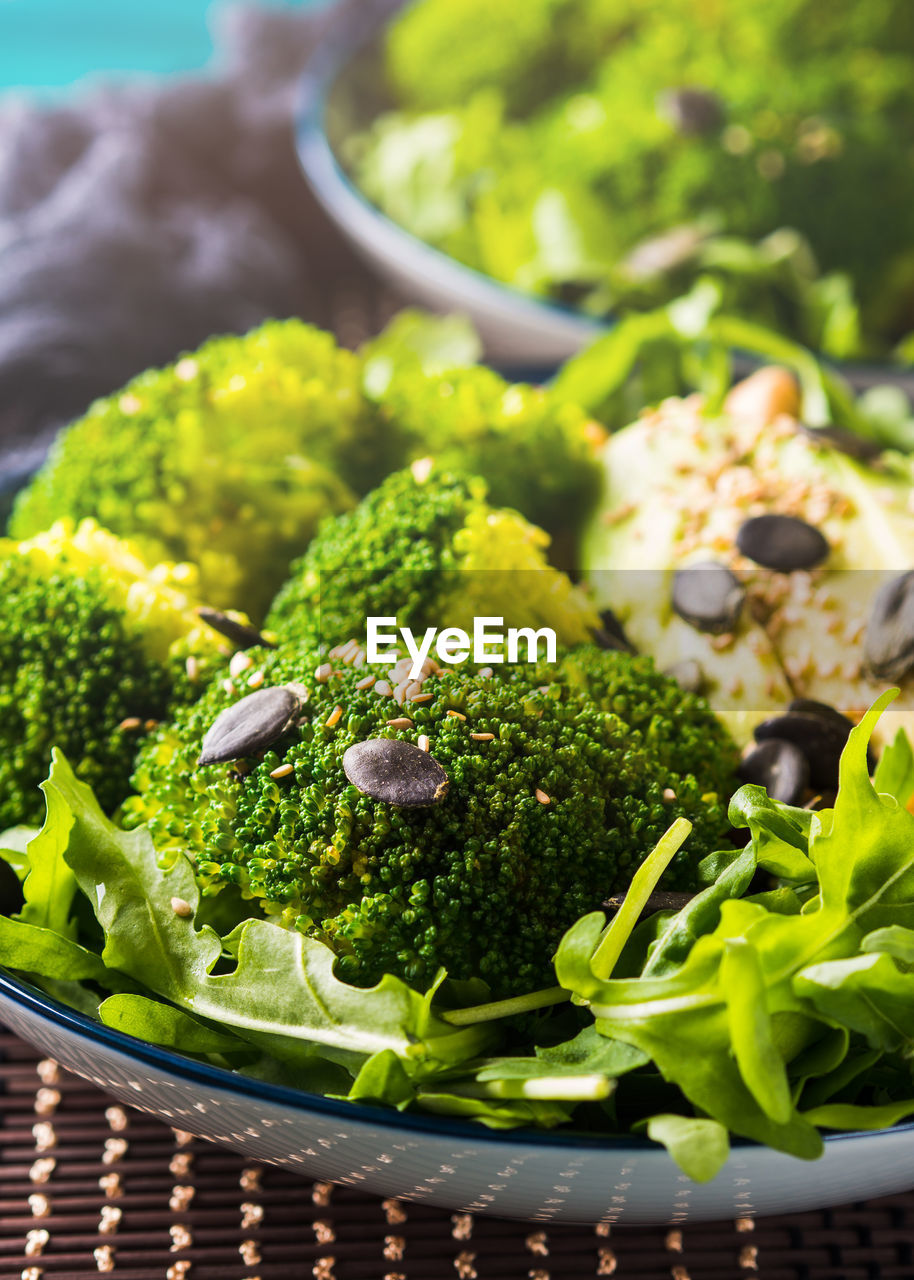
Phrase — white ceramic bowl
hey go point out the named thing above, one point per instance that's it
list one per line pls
(544, 1177)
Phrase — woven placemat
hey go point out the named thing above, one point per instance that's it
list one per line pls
(88, 1187)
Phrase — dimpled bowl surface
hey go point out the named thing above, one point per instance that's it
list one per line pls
(543, 1177)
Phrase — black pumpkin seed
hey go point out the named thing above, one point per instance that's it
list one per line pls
(780, 767)
(396, 772)
(241, 635)
(251, 725)
(820, 737)
(888, 643)
(782, 542)
(688, 675)
(843, 441)
(692, 112)
(611, 635)
(708, 596)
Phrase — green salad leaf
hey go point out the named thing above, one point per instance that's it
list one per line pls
(279, 993)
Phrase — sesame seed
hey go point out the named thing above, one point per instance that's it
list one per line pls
(422, 469)
(256, 680)
(486, 673)
(192, 667)
(282, 771)
(129, 404)
(186, 369)
(542, 797)
(227, 686)
(400, 692)
(457, 715)
(401, 722)
(334, 717)
(482, 737)
(240, 663)
(132, 722)
(420, 697)
(181, 907)
(150, 725)
(323, 673)
(669, 795)
(383, 688)
(366, 683)
(423, 742)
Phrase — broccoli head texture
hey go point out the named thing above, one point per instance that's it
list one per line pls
(228, 458)
(553, 800)
(536, 451)
(427, 547)
(93, 644)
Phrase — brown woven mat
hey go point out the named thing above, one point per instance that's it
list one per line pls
(88, 1187)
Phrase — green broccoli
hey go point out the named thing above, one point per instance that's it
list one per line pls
(427, 547)
(93, 644)
(536, 451)
(227, 458)
(553, 800)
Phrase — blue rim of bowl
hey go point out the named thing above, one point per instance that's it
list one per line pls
(352, 29)
(201, 1073)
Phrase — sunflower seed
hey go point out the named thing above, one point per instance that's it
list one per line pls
(780, 767)
(395, 772)
(241, 634)
(708, 596)
(888, 643)
(782, 542)
(251, 725)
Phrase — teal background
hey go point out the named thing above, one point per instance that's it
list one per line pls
(46, 45)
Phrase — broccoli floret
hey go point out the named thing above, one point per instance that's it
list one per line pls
(427, 547)
(228, 458)
(92, 645)
(553, 800)
(536, 451)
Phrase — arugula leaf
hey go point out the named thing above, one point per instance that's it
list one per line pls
(50, 886)
(894, 940)
(32, 949)
(749, 999)
(282, 994)
(700, 1147)
(163, 1024)
(839, 1115)
(894, 774)
(14, 843)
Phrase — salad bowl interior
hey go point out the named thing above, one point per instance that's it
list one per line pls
(341, 93)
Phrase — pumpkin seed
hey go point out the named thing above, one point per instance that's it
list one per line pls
(611, 635)
(395, 772)
(782, 542)
(687, 674)
(692, 112)
(251, 725)
(241, 634)
(780, 767)
(888, 643)
(819, 731)
(708, 596)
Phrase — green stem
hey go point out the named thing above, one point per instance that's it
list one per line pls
(506, 1008)
(643, 884)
